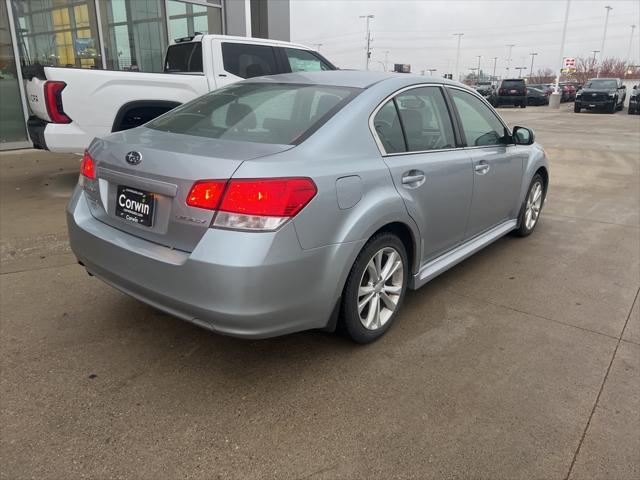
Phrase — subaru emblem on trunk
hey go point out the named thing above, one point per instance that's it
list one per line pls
(133, 158)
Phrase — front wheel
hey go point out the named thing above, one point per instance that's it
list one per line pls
(532, 206)
(375, 289)
(576, 108)
(612, 107)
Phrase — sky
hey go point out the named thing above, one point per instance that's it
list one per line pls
(421, 32)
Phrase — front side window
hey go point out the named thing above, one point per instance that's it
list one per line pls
(246, 61)
(304, 61)
(425, 118)
(479, 124)
(257, 112)
(388, 128)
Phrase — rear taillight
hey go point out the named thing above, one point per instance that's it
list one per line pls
(259, 205)
(501, 91)
(206, 194)
(53, 101)
(87, 166)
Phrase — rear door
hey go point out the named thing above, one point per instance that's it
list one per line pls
(497, 163)
(434, 178)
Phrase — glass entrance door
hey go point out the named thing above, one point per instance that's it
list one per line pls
(13, 132)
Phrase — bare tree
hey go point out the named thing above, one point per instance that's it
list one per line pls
(545, 75)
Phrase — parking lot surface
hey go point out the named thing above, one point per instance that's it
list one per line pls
(521, 362)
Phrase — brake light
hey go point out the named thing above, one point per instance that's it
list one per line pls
(87, 166)
(206, 194)
(258, 205)
(501, 92)
(53, 101)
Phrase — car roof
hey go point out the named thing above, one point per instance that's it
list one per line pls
(349, 78)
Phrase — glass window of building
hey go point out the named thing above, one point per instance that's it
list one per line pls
(134, 34)
(187, 18)
(12, 129)
(59, 33)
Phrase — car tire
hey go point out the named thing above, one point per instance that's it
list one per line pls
(576, 108)
(365, 321)
(612, 108)
(523, 104)
(528, 218)
(621, 106)
(630, 111)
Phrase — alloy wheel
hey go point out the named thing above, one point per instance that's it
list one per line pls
(534, 204)
(380, 288)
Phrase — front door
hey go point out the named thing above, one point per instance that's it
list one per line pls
(434, 178)
(497, 164)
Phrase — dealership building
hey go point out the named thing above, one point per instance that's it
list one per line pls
(111, 34)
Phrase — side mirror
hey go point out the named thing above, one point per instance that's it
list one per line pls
(624, 87)
(523, 136)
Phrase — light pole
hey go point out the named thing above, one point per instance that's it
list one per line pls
(368, 17)
(511, 45)
(318, 45)
(633, 27)
(431, 70)
(594, 62)
(554, 101)
(533, 54)
(520, 71)
(479, 58)
(604, 37)
(386, 59)
(495, 62)
(459, 35)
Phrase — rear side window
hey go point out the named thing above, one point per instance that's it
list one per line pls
(387, 125)
(258, 112)
(304, 61)
(184, 58)
(247, 61)
(479, 124)
(425, 119)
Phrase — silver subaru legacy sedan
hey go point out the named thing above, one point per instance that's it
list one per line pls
(303, 201)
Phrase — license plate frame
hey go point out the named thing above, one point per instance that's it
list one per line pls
(135, 206)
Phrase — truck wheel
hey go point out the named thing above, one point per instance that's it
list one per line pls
(621, 106)
(576, 108)
(612, 107)
(523, 104)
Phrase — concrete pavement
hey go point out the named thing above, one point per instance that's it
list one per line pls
(521, 362)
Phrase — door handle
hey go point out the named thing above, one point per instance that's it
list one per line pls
(413, 178)
(482, 167)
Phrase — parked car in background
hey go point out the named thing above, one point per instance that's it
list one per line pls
(601, 93)
(72, 106)
(483, 88)
(536, 96)
(509, 92)
(302, 201)
(634, 101)
(570, 90)
(547, 88)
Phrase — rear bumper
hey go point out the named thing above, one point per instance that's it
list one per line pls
(252, 285)
(511, 100)
(36, 128)
(59, 137)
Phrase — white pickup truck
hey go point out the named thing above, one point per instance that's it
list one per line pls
(69, 107)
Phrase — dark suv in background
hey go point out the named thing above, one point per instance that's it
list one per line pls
(634, 101)
(605, 93)
(509, 92)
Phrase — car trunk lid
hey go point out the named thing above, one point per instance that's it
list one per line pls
(143, 178)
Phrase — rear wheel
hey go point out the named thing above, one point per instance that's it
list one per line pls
(375, 289)
(530, 211)
(523, 104)
(630, 110)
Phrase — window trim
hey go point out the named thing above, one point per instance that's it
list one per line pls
(392, 96)
(463, 137)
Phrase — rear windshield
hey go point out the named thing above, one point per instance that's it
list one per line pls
(184, 58)
(512, 83)
(601, 83)
(257, 112)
